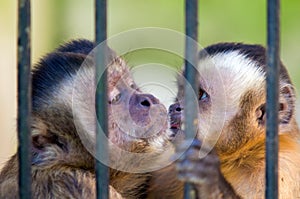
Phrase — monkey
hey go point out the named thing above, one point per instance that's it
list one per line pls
(226, 159)
(63, 128)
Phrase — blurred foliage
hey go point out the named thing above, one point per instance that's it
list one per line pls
(56, 21)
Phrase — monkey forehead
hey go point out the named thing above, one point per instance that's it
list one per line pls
(117, 70)
(231, 70)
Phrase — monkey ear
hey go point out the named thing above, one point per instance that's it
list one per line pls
(286, 106)
(286, 103)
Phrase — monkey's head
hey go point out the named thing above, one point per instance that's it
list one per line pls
(132, 114)
(64, 117)
(232, 96)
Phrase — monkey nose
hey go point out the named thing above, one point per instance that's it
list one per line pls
(175, 108)
(145, 100)
(139, 107)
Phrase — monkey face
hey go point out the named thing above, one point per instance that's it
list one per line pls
(135, 115)
(222, 84)
(132, 115)
(231, 96)
(175, 117)
(204, 108)
(137, 124)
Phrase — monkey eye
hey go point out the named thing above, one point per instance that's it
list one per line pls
(115, 99)
(133, 86)
(202, 95)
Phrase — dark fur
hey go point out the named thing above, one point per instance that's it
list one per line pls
(256, 53)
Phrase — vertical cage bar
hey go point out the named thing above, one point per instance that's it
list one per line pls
(191, 59)
(102, 171)
(272, 99)
(24, 98)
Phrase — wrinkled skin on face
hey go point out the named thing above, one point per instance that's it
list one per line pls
(134, 114)
(175, 120)
(134, 117)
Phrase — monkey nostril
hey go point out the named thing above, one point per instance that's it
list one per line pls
(145, 103)
(175, 108)
(178, 109)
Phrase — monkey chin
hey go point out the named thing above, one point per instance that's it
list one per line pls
(143, 145)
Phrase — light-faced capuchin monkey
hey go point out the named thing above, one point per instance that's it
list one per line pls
(232, 100)
(62, 167)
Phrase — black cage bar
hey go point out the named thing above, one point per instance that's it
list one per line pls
(102, 171)
(190, 72)
(272, 99)
(24, 98)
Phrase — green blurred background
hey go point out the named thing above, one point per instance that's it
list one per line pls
(57, 21)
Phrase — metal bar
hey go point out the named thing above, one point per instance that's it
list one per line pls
(24, 99)
(191, 62)
(272, 99)
(102, 171)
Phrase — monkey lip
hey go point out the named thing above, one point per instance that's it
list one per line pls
(175, 121)
(175, 126)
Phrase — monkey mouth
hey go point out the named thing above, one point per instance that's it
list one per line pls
(175, 122)
(175, 126)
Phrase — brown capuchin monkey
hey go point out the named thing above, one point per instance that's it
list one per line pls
(63, 128)
(231, 134)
